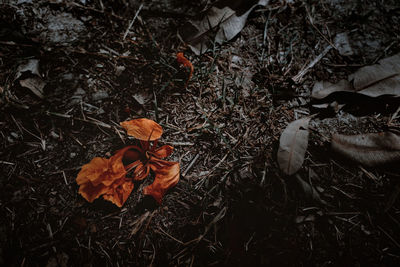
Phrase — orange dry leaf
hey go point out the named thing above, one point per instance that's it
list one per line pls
(143, 129)
(186, 63)
(108, 177)
(167, 176)
(105, 177)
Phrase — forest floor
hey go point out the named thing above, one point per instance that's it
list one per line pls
(233, 205)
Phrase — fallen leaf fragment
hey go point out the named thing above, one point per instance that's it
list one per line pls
(105, 177)
(167, 176)
(389, 86)
(323, 89)
(143, 129)
(35, 84)
(119, 192)
(369, 75)
(220, 23)
(293, 145)
(180, 58)
(31, 66)
(376, 80)
(370, 149)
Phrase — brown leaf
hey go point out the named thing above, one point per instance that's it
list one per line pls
(366, 76)
(323, 89)
(389, 86)
(293, 145)
(35, 84)
(376, 80)
(226, 18)
(368, 149)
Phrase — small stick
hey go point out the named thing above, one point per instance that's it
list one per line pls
(394, 116)
(190, 165)
(177, 143)
(133, 20)
(389, 236)
(65, 177)
(160, 230)
(320, 33)
(301, 73)
(6, 162)
(91, 121)
(119, 134)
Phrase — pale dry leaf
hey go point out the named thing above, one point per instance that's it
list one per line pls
(220, 23)
(31, 66)
(381, 79)
(323, 89)
(35, 84)
(389, 86)
(370, 149)
(293, 145)
(369, 75)
(394, 61)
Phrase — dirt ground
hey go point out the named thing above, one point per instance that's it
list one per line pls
(232, 206)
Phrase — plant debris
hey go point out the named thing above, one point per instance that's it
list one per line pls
(180, 58)
(293, 145)
(108, 177)
(371, 149)
(108, 63)
(220, 23)
(376, 80)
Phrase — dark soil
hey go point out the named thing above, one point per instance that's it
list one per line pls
(232, 206)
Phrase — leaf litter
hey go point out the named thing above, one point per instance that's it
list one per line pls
(234, 206)
(293, 146)
(371, 149)
(220, 23)
(381, 79)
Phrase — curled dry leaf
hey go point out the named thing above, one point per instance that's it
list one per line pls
(180, 58)
(108, 177)
(35, 84)
(293, 145)
(371, 149)
(143, 129)
(376, 80)
(31, 66)
(220, 23)
(167, 176)
(145, 158)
